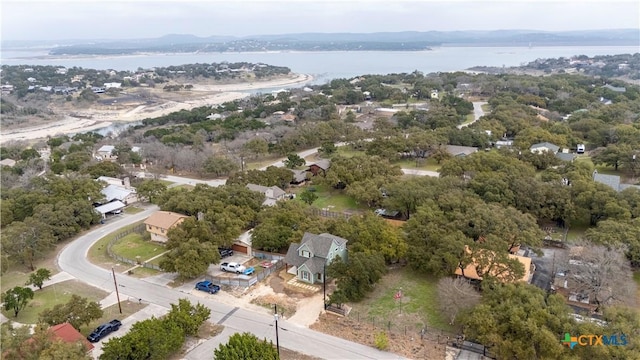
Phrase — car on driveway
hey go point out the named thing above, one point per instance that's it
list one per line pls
(207, 286)
(104, 330)
(225, 252)
(236, 268)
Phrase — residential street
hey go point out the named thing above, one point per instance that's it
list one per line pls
(477, 113)
(72, 259)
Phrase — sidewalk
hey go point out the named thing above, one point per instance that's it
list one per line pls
(57, 278)
(144, 314)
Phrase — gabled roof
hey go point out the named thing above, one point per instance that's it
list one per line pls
(566, 156)
(292, 257)
(107, 148)
(114, 205)
(615, 88)
(456, 150)
(321, 244)
(323, 164)
(115, 192)
(299, 175)
(315, 265)
(627, 186)
(67, 333)
(318, 245)
(277, 192)
(547, 145)
(8, 162)
(164, 219)
(612, 181)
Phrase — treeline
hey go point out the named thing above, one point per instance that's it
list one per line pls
(49, 210)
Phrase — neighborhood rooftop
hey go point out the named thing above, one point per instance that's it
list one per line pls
(163, 219)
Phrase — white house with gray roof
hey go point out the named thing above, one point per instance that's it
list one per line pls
(544, 146)
(310, 257)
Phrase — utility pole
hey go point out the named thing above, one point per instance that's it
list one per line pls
(324, 284)
(275, 307)
(115, 283)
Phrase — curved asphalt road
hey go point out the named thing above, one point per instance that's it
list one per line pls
(73, 260)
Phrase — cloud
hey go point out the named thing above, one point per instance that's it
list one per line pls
(51, 19)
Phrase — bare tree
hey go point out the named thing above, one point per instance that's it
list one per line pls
(602, 273)
(456, 295)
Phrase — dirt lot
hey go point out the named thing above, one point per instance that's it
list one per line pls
(405, 341)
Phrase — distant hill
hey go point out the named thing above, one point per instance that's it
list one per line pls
(387, 41)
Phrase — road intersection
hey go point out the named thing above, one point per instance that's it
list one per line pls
(73, 260)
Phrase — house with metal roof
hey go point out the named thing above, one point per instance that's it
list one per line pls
(115, 192)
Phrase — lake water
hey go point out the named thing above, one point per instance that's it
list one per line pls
(325, 66)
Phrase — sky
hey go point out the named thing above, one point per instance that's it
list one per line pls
(134, 19)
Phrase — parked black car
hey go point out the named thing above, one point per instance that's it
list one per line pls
(225, 252)
(104, 330)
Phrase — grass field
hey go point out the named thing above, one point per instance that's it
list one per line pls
(334, 200)
(576, 231)
(134, 245)
(417, 307)
(423, 164)
(98, 252)
(52, 295)
(347, 151)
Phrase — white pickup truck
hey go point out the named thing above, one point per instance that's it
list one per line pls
(236, 268)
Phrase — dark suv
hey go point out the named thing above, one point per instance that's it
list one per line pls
(225, 252)
(104, 330)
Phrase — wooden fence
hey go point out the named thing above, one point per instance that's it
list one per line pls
(139, 229)
(330, 214)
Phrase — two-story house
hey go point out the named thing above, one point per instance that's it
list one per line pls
(160, 222)
(310, 257)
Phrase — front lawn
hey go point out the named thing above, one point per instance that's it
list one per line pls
(135, 245)
(417, 307)
(52, 295)
(98, 252)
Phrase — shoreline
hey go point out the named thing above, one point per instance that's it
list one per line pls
(98, 119)
(145, 54)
